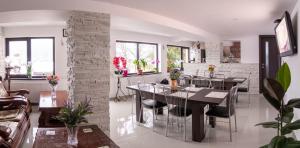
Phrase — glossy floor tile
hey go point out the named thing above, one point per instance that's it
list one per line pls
(128, 134)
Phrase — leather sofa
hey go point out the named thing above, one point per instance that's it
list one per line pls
(14, 117)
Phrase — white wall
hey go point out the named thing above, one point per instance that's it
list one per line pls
(294, 61)
(60, 56)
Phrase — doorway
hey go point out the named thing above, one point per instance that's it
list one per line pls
(269, 58)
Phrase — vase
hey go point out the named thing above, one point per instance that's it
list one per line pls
(53, 91)
(173, 84)
(211, 74)
(72, 135)
(140, 72)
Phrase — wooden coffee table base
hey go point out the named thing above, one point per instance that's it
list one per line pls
(94, 139)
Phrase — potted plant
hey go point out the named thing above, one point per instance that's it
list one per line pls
(275, 90)
(137, 63)
(72, 116)
(29, 70)
(174, 76)
(120, 65)
(53, 81)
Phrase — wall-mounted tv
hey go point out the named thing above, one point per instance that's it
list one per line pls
(285, 36)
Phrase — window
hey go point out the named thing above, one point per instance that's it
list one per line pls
(176, 56)
(138, 50)
(39, 51)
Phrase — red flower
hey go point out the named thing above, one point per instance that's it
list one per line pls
(116, 62)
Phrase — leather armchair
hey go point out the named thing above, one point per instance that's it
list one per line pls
(14, 121)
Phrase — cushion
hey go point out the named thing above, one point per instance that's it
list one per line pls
(242, 89)
(9, 114)
(149, 103)
(219, 111)
(3, 92)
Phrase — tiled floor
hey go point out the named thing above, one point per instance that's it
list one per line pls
(128, 134)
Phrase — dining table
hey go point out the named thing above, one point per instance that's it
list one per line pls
(229, 82)
(201, 97)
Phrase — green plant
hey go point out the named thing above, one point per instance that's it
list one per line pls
(72, 115)
(274, 94)
(174, 74)
(29, 70)
(143, 63)
(136, 62)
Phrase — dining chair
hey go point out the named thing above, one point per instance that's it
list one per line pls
(202, 82)
(147, 93)
(177, 106)
(225, 111)
(246, 88)
(218, 81)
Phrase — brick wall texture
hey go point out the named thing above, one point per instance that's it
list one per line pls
(88, 62)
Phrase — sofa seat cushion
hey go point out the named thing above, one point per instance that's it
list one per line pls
(9, 114)
(13, 127)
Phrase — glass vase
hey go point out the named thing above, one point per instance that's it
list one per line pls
(211, 74)
(53, 91)
(72, 135)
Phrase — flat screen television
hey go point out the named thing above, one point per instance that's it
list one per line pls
(285, 36)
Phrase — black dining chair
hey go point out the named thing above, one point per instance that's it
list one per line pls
(148, 99)
(246, 88)
(225, 111)
(177, 106)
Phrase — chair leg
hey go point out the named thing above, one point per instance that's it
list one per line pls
(153, 117)
(230, 129)
(235, 122)
(185, 128)
(167, 123)
(205, 128)
(249, 98)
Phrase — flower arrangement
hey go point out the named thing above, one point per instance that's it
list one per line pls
(53, 80)
(71, 116)
(175, 74)
(140, 63)
(211, 68)
(120, 64)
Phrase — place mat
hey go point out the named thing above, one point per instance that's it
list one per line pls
(238, 79)
(194, 89)
(182, 94)
(214, 94)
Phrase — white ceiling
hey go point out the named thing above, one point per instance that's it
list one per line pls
(222, 17)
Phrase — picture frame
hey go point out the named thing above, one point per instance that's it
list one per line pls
(65, 34)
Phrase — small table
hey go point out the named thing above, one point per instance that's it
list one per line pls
(94, 139)
(50, 107)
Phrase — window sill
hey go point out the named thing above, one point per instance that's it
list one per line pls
(144, 74)
(28, 79)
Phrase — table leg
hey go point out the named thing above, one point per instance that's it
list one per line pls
(212, 120)
(198, 133)
(139, 111)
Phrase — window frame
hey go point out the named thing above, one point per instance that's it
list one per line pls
(181, 54)
(28, 40)
(138, 53)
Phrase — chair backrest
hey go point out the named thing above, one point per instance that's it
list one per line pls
(179, 101)
(201, 82)
(230, 104)
(142, 90)
(218, 81)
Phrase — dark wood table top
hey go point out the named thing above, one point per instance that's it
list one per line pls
(46, 101)
(94, 139)
(226, 80)
(198, 97)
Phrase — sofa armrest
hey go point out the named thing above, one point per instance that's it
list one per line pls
(21, 92)
(4, 143)
(13, 101)
(5, 132)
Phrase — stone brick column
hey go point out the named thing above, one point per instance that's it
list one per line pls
(89, 64)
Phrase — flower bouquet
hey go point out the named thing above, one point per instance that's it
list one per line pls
(211, 70)
(53, 81)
